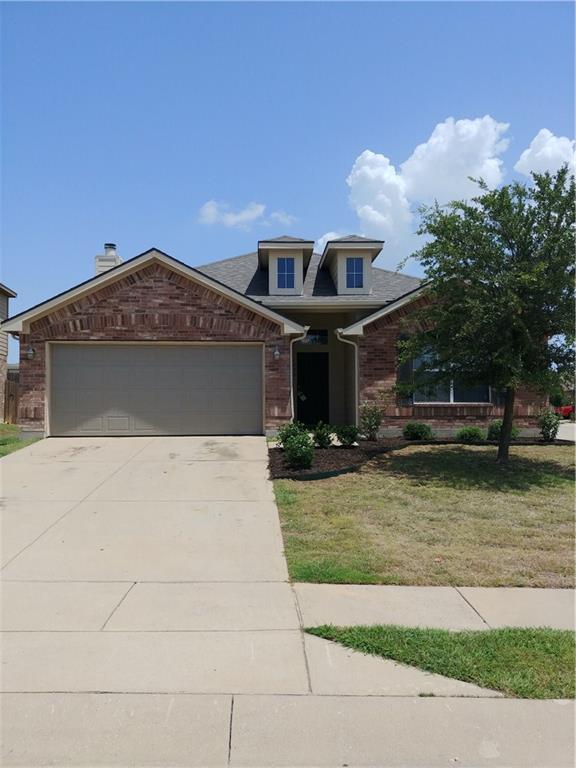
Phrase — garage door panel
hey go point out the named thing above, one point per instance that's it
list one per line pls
(155, 389)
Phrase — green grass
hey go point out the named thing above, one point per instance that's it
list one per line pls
(525, 663)
(436, 515)
(10, 439)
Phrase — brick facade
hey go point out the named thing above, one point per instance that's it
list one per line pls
(154, 304)
(378, 376)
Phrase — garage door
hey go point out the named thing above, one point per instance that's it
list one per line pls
(155, 389)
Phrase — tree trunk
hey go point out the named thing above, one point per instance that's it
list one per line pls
(506, 431)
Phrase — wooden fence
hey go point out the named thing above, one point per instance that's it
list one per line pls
(11, 401)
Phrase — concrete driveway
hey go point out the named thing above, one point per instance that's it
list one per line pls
(148, 620)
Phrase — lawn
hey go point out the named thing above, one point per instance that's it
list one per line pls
(528, 663)
(10, 439)
(438, 515)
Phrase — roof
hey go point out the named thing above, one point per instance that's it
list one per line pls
(285, 239)
(242, 274)
(7, 291)
(355, 239)
(18, 322)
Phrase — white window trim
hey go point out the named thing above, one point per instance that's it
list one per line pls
(455, 402)
(354, 272)
(286, 287)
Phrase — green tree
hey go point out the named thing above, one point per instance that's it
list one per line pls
(500, 279)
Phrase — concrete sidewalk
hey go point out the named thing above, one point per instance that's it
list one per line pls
(148, 620)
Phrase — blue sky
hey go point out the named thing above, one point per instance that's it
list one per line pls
(122, 120)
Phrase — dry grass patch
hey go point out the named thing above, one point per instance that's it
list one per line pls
(439, 515)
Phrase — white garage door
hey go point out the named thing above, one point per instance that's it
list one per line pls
(149, 389)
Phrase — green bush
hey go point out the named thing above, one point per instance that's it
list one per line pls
(347, 434)
(417, 430)
(299, 450)
(322, 435)
(286, 431)
(495, 428)
(470, 435)
(370, 420)
(549, 422)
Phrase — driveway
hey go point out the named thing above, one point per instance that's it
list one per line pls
(148, 620)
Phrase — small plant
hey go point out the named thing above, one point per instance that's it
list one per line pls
(417, 430)
(495, 428)
(299, 450)
(370, 420)
(322, 435)
(286, 431)
(549, 422)
(470, 435)
(347, 434)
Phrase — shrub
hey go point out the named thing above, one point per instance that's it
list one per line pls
(416, 430)
(548, 421)
(299, 450)
(470, 435)
(370, 420)
(322, 435)
(495, 428)
(286, 431)
(347, 434)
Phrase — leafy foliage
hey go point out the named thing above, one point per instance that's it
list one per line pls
(470, 435)
(500, 272)
(417, 430)
(322, 435)
(370, 420)
(549, 422)
(286, 431)
(299, 449)
(347, 434)
(495, 428)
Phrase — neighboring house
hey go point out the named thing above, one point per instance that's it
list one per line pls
(5, 295)
(240, 346)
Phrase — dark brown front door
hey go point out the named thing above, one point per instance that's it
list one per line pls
(312, 387)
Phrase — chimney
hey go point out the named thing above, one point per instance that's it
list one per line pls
(108, 260)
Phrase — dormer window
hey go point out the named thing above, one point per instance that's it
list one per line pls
(354, 272)
(286, 272)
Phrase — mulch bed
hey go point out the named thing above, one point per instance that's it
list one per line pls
(338, 460)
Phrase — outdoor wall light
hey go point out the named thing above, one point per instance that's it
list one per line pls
(30, 352)
(276, 353)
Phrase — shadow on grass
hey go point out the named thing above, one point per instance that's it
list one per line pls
(466, 468)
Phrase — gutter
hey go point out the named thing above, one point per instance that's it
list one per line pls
(292, 396)
(353, 344)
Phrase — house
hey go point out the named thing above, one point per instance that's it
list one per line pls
(5, 295)
(240, 346)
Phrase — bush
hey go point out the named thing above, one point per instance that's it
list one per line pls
(347, 434)
(286, 431)
(322, 435)
(470, 435)
(416, 430)
(548, 421)
(370, 420)
(299, 450)
(495, 428)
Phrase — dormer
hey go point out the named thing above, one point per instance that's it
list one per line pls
(286, 259)
(349, 261)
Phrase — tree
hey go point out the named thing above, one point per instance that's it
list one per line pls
(500, 283)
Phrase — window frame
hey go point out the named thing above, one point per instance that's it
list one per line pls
(451, 401)
(288, 275)
(358, 261)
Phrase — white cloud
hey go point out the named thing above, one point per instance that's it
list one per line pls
(547, 152)
(321, 242)
(456, 149)
(214, 212)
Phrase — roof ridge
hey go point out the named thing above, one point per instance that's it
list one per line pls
(230, 258)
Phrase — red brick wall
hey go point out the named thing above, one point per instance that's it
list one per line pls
(154, 304)
(377, 377)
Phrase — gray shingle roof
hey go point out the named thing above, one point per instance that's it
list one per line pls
(242, 274)
(286, 239)
(355, 239)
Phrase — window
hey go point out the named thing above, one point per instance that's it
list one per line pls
(316, 336)
(446, 391)
(354, 272)
(286, 272)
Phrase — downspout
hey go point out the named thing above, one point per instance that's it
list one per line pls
(353, 344)
(292, 394)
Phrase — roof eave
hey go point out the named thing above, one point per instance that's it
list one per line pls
(357, 329)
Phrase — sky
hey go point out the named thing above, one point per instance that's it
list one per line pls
(200, 128)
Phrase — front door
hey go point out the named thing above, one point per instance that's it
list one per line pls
(312, 387)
